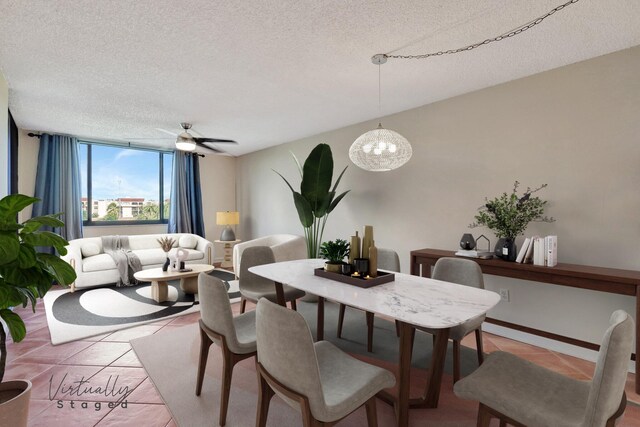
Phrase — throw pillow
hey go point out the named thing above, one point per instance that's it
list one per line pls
(187, 241)
(89, 249)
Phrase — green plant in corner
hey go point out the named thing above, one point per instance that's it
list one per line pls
(25, 274)
(316, 199)
(334, 251)
(509, 214)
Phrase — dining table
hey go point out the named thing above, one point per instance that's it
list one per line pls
(412, 301)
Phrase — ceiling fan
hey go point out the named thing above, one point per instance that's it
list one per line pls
(185, 141)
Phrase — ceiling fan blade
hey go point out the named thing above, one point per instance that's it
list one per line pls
(216, 140)
(167, 132)
(150, 139)
(206, 147)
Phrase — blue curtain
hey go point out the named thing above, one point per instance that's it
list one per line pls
(185, 211)
(58, 183)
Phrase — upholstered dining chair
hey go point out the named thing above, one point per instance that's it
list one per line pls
(235, 335)
(521, 393)
(463, 272)
(324, 382)
(387, 260)
(253, 287)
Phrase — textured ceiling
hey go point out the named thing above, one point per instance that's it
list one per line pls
(264, 72)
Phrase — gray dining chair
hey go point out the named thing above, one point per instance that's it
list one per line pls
(387, 260)
(463, 272)
(253, 287)
(521, 393)
(319, 378)
(235, 335)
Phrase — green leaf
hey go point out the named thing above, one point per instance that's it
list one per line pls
(10, 296)
(335, 186)
(15, 324)
(317, 175)
(335, 202)
(24, 277)
(26, 257)
(305, 213)
(285, 180)
(61, 270)
(9, 247)
(10, 225)
(297, 163)
(46, 238)
(34, 224)
(14, 203)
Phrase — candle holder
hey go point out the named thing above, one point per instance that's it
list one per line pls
(361, 265)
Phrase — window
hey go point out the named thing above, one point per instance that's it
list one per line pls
(123, 185)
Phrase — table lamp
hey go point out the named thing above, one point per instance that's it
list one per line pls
(227, 218)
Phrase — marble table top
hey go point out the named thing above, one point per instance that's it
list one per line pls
(417, 300)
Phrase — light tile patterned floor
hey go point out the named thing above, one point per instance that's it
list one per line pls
(110, 355)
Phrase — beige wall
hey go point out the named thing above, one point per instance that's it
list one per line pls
(217, 176)
(4, 137)
(575, 128)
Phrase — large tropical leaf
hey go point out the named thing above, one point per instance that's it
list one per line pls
(46, 238)
(317, 175)
(59, 269)
(15, 324)
(335, 202)
(305, 213)
(9, 247)
(285, 180)
(26, 257)
(14, 203)
(335, 186)
(35, 223)
(23, 278)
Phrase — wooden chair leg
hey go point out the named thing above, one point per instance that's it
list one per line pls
(503, 423)
(341, 320)
(243, 305)
(370, 317)
(484, 416)
(294, 305)
(228, 363)
(205, 344)
(264, 398)
(456, 361)
(372, 414)
(479, 347)
(611, 422)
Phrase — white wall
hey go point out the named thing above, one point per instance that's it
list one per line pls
(4, 137)
(575, 128)
(217, 177)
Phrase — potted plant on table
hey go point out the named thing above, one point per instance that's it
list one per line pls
(25, 275)
(508, 217)
(316, 199)
(335, 252)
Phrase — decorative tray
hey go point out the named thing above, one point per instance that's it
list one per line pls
(361, 282)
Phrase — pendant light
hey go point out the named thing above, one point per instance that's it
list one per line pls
(380, 149)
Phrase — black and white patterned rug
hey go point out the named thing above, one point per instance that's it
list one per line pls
(95, 311)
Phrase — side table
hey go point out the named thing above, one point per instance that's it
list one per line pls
(228, 247)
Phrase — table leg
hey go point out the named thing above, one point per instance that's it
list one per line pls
(638, 339)
(159, 291)
(189, 284)
(280, 294)
(437, 368)
(320, 325)
(407, 333)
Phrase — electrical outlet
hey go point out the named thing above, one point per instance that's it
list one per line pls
(504, 295)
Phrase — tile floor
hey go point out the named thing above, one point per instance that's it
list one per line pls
(110, 355)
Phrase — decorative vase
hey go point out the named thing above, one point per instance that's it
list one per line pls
(373, 260)
(333, 267)
(165, 266)
(497, 249)
(367, 240)
(509, 249)
(14, 409)
(355, 248)
(467, 242)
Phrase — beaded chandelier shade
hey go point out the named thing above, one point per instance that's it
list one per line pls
(380, 150)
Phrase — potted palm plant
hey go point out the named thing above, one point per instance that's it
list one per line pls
(316, 199)
(25, 275)
(334, 252)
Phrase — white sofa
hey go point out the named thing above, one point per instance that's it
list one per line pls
(94, 267)
(285, 247)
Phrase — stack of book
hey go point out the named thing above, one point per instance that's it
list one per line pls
(538, 250)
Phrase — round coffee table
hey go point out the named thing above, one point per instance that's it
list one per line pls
(159, 279)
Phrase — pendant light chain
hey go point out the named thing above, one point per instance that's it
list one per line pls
(379, 93)
(518, 30)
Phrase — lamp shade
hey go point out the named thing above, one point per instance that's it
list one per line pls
(380, 150)
(185, 142)
(227, 218)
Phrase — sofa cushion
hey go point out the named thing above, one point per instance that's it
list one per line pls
(192, 254)
(98, 263)
(150, 256)
(188, 241)
(89, 249)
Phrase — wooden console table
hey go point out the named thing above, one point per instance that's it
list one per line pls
(611, 280)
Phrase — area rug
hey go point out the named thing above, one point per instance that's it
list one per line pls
(171, 359)
(95, 311)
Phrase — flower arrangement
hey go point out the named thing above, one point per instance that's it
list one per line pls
(166, 243)
(509, 214)
(334, 251)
